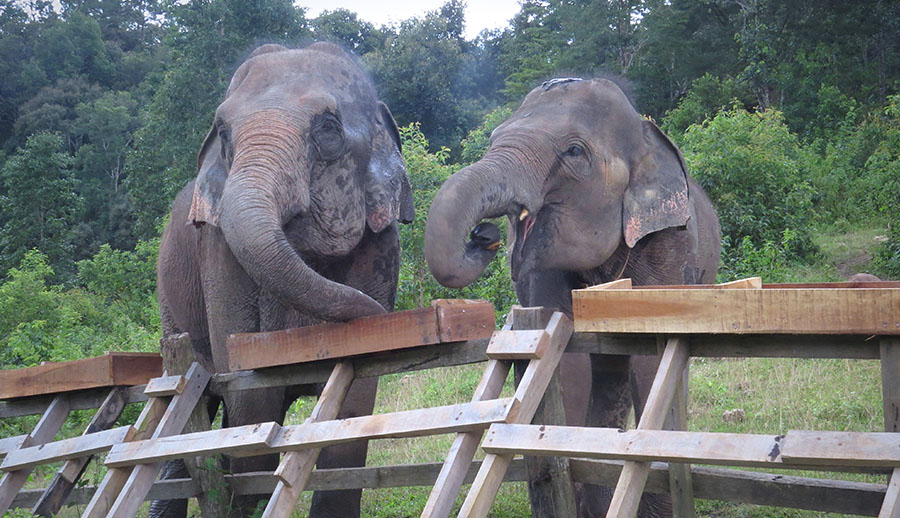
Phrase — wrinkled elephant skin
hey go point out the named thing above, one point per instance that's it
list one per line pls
(593, 193)
(291, 221)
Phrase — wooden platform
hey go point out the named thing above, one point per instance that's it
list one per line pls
(825, 308)
(111, 369)
(445, 321)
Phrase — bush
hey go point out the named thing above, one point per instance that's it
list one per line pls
(757, 174)
(43, 322)
(477, 142)
(427, 172)
(706, 97)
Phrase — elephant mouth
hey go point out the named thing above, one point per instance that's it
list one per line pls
(523, 223)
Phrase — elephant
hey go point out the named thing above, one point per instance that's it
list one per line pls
(292, 220)
(593, 193)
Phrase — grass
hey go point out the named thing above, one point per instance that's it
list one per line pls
(775, 395)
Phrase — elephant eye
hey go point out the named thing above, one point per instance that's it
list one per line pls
(574, 150)
(328, 137)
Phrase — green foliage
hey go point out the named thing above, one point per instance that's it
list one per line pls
(883, 168)
(477, 142)
(757, 174)
(125, 279)
(40, 321)
(708, 95)
(417, 288)
(41, 204)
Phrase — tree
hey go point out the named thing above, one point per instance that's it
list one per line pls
(418, 74)
(207, 39)
(41, 204)
(343, 27)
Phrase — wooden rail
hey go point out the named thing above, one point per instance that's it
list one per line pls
(454, 346)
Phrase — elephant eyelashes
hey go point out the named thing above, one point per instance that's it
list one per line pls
(225, 142)
(328, 137)
(574, 150)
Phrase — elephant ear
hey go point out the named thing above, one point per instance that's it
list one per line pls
(211, 176)
(657, 193)
(388, 193)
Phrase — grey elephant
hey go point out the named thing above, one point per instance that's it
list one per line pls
(291, 221)
(593, 193)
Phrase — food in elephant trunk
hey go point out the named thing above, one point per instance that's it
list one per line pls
(294, 211)
(592, 193)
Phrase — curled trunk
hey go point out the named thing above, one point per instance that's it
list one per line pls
(252, 225)
(466, 198)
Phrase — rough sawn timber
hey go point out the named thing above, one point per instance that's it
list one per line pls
(101, 371)
(444, 321)
(776, 309)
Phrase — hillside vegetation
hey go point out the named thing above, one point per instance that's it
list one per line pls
(788, 113)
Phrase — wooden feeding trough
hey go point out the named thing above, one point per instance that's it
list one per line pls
(748, 319)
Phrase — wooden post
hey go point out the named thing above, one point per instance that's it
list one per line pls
(459, 458)
(551, 489)
(529, 394)
(628, 491)
(45, 430)
(680, 484)
(890, 390)
(295, 468)
(178, 356)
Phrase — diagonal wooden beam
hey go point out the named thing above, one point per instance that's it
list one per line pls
(628, 491)
(528, 394)
(50, 423)
(459, 458)
(296, 466)
(62, 484)
(122, 490)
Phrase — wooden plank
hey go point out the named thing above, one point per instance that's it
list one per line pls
(134, 368)
(101, 371)
(889, 348)
(854, 347)
(779, 490)
(43, 432)
(842, 448)
(890, 508)
(750, 487)
(754, 283)
(122, 490)
(458, 460)
(462, 319)
(379, 364)
(529, 394)
(723, 449)
(621, 284)
(165, 386)
(65, 479)
(411, 423)
(627, 495)
(8, 444)
(518, 345)
(81, 446)
(294, 470)
(81, 400)
(777, 311)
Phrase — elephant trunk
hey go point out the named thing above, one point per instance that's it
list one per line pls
(467, 197)
(252, 222)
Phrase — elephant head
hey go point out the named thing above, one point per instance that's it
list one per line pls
(300, 159)
(578, 173)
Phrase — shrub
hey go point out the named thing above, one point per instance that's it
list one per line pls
(427, 172)
(757, 174)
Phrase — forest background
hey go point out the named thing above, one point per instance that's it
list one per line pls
(787, 112)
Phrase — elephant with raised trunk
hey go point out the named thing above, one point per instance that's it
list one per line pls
(593, 193)
(291, 221)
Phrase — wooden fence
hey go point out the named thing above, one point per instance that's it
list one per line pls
(452, 339)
